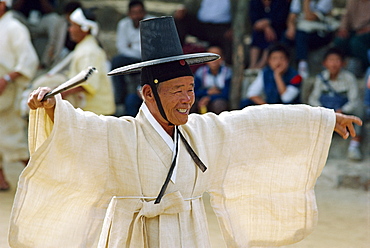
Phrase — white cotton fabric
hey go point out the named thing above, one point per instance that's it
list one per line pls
(87, 170)
(128, 38)
(78, 17)
(16, 55)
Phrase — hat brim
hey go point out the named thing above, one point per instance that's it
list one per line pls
(191, 59)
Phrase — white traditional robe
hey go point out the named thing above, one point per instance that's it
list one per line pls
(262, 161)
(16, 55)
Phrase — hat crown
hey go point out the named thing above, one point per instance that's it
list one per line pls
(159, 38)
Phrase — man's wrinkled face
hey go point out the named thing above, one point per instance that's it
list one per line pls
(177, 97)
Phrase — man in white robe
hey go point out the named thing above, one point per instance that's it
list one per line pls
(96, 94)
(18, 65)
(94, 181)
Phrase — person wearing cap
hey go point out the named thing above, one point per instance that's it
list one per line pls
(138, 182)
(17, 67)
(97, 94)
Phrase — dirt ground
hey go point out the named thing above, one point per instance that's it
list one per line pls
(344, 215)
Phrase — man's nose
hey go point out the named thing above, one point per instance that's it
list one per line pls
(186, 97)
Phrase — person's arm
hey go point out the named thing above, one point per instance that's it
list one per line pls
(353, 96)
(344, 28)
(255, 90)
(308, 13)
(8, 79)
(35, 101)
(278, 76)
(291, 26)
(121, 42)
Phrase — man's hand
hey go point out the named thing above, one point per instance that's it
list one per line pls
(344, 125)
(35, 101)
(36, 96)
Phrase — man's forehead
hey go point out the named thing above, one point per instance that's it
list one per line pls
(178, 82)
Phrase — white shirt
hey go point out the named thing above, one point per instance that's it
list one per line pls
(215, 11)
(256, 89)
(128, 38)
(322, 6)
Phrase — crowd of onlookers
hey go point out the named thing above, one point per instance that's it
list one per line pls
(36, 38)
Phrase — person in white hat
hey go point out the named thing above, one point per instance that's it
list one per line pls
(138, 182)
(18, 64)
(97, 94)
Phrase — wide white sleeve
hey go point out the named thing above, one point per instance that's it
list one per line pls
(62, 189)
(263, 192)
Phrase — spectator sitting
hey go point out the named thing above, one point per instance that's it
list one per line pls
(337, 88)
(277, 82)
(208, 20)
(268, 19)
(212, 85)
(97, 94)
(41, 19)
(129, 50)
(353, 36)
(302, 29)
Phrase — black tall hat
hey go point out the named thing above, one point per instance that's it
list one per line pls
(160, 44)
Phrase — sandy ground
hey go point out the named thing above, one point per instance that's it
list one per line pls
(344, 215)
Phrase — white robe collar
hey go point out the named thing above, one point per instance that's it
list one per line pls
(165, 136)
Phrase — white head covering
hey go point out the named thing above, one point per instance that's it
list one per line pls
(78, 17)
(7, 2)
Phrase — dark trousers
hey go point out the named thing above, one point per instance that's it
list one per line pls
(356, 46)
(119, 82)
(304, 42)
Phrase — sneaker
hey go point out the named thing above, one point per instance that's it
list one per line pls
(354, 153)
(303, 69)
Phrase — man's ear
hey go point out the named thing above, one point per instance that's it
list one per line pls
(147, 93)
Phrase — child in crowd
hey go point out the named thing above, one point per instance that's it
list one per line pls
(277, 82)
(212, 85)
(337, 88)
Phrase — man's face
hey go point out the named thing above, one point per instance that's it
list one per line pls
(76, 32)
(177, 97)
(136, 13)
